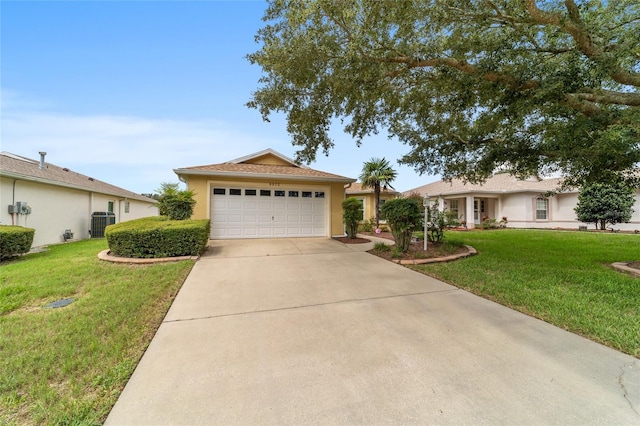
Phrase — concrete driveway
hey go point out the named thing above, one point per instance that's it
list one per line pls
(310, 331)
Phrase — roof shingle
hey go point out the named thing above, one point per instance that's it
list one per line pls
(16, 166)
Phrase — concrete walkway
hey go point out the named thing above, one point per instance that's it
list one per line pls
(310, 331)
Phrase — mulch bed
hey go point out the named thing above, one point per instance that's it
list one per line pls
(416, 251)
(347, 240)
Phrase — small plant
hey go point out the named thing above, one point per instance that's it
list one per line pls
(489, 223)
(437, 224)
(419, 255)
(367, 226)
(381, 247)
(452, 218)
(351, 213)
(396, 253)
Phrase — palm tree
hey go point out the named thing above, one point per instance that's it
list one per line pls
(377, 173)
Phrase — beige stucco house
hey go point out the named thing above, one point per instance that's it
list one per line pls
(523, 202)
(53, 199)
(368, 198)
(266, 195)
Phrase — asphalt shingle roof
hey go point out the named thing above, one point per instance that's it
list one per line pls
(241, 169)
(16, 166)
(499, 183)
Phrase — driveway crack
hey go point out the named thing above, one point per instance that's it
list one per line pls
(623, 385)
(290, 308)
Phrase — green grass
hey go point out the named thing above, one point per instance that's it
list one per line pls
(69, 365)
(563, 278)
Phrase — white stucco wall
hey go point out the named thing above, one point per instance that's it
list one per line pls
(55, 209)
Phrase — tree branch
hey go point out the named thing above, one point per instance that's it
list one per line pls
(582, 38)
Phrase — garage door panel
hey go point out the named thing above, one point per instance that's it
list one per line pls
(261, 214)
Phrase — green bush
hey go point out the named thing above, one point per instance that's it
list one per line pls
(367, 226)
(15, 240)
(351, 213)
(404, 215)
(174, 203)
(157, 236)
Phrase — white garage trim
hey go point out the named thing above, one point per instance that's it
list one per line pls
(260, 210)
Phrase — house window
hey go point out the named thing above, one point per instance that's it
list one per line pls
(234, 191)
(453, 206)
(306, 194)
(219, 191)
(279, 193)
(293, 193)
(250, 192)
(126, 207)
(265, 193)
(319, 194)
(110, 206)
(542, 209)
(362, 209)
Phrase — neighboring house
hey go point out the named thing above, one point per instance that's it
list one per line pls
(522, 202)
(58, 199)
(266, 195)
(368, 198)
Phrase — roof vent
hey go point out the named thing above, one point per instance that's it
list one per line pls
(42, 155)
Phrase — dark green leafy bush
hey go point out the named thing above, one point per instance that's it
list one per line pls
(404, 215)
(351, 213)
(15, 240)
(154, 237)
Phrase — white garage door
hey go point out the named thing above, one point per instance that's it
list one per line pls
(252, 212)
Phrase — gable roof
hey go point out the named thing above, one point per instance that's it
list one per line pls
(23, 168)
(356, 188)
(500, 183)
(264, 164)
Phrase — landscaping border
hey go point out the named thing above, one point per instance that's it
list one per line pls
(470, 252)
(108, 257)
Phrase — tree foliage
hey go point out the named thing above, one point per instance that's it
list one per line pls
(352, 214)
(471, 86)
(174, 203)
(377, 173)
(605, 203)
(404, 215)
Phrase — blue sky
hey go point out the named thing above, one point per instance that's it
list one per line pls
(127, 91)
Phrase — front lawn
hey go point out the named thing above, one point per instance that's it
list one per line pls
(68, 365)
(563, 278)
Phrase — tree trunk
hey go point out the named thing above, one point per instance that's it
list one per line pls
(376, 189)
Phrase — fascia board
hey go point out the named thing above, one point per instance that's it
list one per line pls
(185, 172)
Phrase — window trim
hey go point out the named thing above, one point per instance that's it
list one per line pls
(547, 210)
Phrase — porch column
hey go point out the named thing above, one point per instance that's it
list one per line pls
(469, 212)
(441, 203)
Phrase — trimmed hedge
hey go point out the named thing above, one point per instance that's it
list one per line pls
(15, 240)
(157, 236)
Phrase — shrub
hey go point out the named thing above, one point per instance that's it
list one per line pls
(154, 237)
(489, 223)
(381, 247)
(437, 224)
(403, 216)
(351, 214)
(15, 240)
(174, 203)
(367, 225)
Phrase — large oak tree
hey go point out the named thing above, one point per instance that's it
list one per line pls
(470, 86)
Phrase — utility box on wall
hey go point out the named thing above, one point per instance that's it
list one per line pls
(99, 221)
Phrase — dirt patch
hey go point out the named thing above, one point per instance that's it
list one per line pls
(634, 265)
